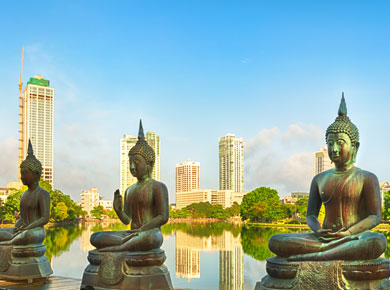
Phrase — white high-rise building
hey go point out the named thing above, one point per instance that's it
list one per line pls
(127, 142)
(187, 176)
(37, 123)
(231, 163)
(321, 161)
(90, 199)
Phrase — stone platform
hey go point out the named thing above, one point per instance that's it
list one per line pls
(24, 263)
(330, 275)
(126, 270)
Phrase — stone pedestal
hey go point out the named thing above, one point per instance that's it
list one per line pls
(24, 262)
(330, 275)
(126, 270)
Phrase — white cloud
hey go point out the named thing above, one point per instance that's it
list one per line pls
(282, 159)
(8, 161)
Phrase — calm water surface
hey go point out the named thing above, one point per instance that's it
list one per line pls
(199, 256)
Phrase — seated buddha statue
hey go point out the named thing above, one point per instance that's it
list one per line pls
(34, 207)
(352, 202)
(145, 205)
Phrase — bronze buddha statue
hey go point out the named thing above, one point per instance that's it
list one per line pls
(352, 202)
(133, 259)
(21, 249)
(34, 207)
(145, 206)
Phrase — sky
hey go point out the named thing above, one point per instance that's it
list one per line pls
(271, 72)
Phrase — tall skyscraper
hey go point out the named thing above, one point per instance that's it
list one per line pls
(321, 161)
(231, 163)
(187, 176)
(127, 142)
(36, 123)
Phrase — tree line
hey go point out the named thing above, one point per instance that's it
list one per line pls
(62, 207)
(260, 205)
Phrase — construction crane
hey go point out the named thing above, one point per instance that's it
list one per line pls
(21, 141)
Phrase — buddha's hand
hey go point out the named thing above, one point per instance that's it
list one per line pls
(324, 236)
(132, 233)
(118, 202)
(343, 232)
(323, 232)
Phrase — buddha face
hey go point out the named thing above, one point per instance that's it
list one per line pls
(340, 149)
(138, 166)
(28, 176)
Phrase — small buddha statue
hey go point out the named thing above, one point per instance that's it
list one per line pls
(352, 202)
(34, 206)
(21, 249)
(145, 206)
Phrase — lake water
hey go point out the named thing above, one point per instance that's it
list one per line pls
(199, 256)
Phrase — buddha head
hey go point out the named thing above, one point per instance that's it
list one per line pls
(142, 156)
(342, 138)
(30, 168)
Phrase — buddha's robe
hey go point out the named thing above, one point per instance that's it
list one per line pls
(352, 203)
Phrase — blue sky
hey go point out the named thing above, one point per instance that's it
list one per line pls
(271, 72)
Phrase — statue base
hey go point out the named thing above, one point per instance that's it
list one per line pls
(329, 275)
(24, 263)
(126, 270)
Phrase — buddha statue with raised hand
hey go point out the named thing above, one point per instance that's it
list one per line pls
(132, 259)
(145, 206)
(352, 202)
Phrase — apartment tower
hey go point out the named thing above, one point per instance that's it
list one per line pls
(36, 123)
(321, 161)
(231, 163)
(127, 142)
(187, 176)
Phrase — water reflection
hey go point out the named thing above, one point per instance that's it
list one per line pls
(58, 239)
(195, 252)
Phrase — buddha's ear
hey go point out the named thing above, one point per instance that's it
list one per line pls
(357, 144)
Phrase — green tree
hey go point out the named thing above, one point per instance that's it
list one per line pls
(112, 214)
(301, 207)
(261, 205)
(11, 207)
(97, 212)
(60, 212)
(386, 207)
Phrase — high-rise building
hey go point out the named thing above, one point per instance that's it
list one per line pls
(321, 161)
(90, 199)
(127, 142)
(226, 198)
(231, 163)
(187, 176)
(36, 120)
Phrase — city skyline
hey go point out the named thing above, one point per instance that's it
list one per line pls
(272, 74)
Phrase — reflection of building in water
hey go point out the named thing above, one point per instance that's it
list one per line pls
(187, 263)
(231, 259)
(85, 236)
(231, 266)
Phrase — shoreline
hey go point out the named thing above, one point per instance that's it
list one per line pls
(235, 221)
